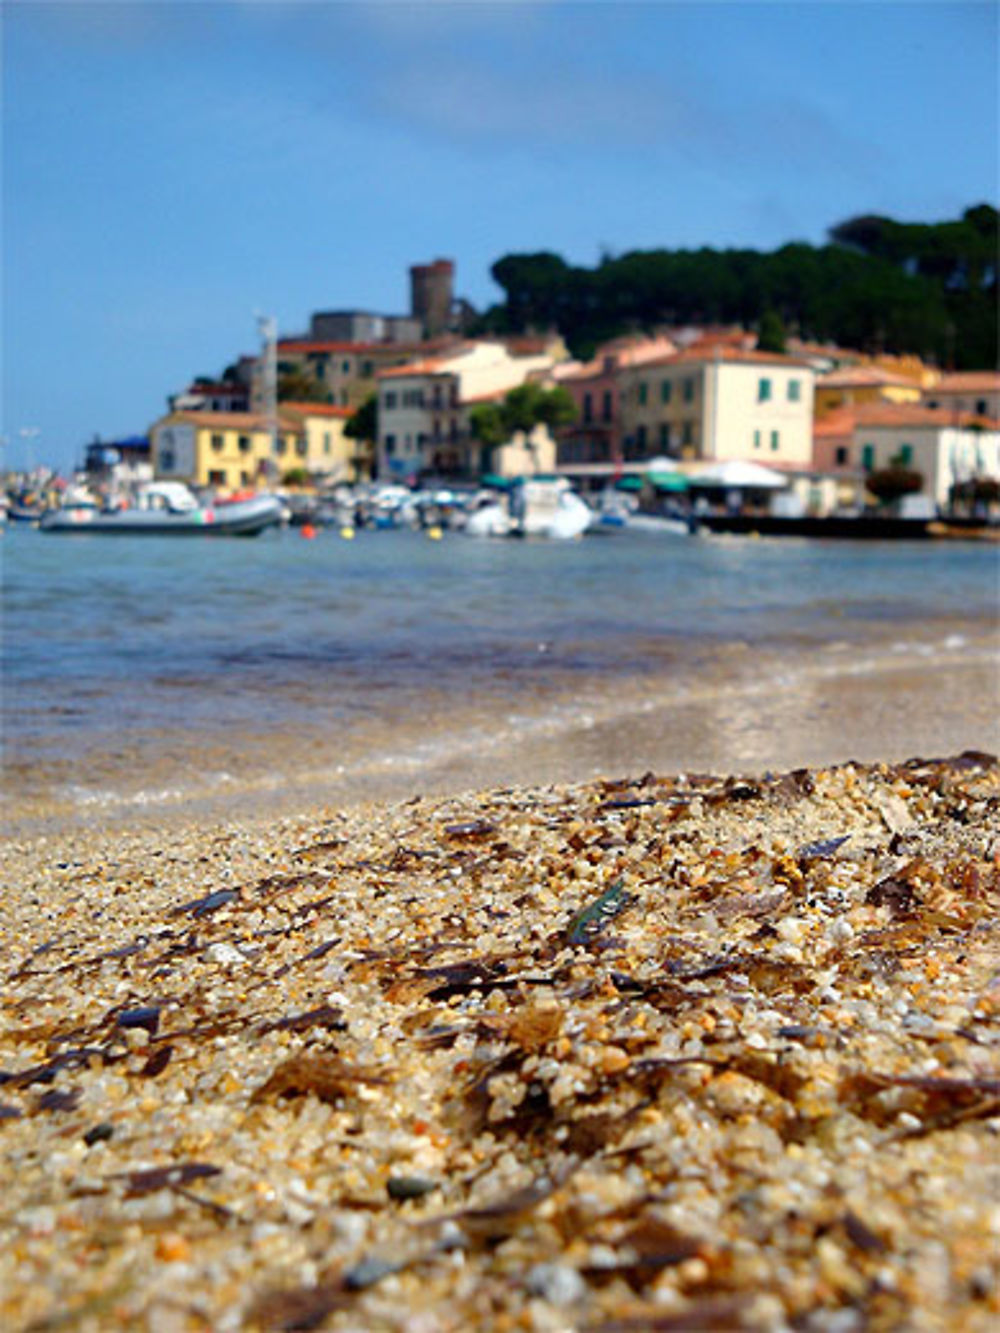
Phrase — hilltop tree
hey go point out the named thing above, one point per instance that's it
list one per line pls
(524, 407)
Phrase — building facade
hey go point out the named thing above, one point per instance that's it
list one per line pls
(976, 392)
(424, 407)
(718, 403)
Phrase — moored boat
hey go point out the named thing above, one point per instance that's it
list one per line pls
(167, 509)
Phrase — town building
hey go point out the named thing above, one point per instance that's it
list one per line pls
(593, 442)
(212, 396)
(948, 451)
(424, 407)
(330, 455)
(718, 402)
(227, 451)
(969, 391)
(855, 386)
(344, 372)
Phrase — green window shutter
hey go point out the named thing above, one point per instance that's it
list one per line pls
(763, 391)
(756, 439)
(794, 389)
(665, 391)
(642, 393)
(868, 457)
(906, 454)
(774, 439)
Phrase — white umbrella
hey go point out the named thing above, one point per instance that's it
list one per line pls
(737, 474)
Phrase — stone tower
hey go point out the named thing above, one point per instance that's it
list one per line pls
(431, 295)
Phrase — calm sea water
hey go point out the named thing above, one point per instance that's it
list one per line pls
(145, 670)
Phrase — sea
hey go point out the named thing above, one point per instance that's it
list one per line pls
(149, 678)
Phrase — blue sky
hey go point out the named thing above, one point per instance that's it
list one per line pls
(169, 169)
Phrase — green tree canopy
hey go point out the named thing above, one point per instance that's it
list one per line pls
(878, 285)
(524, 407)
(364, 424)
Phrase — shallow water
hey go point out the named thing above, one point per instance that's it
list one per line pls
(145, 674)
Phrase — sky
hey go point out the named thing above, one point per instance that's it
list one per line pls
(170, 170)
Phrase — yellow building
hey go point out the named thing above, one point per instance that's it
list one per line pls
(228, 451)
(861, 386)
(328, 453)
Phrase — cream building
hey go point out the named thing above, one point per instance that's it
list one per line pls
(721, 402)
(423, 407)
(945, 451)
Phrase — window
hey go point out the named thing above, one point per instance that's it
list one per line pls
(642, 394)
(774, 440)
(217, 443)
(588, 407)
(367, 369)
(688, 435)
(981, 407)
(842, 455)
(244, 444)
(345, 367)
(666, 389)
(794, 391)
(281, 447)
(868, 457)
(689, 390)
(664, 436)
(389, 401)
(217, 477)
(763, 391)
(756, 439)
(300, 448)
(640, 439)
(390, 444)
(167, 460)
(607, 409)
(906, 454)
(326, 442)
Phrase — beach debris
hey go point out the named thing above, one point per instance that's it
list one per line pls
(588, 924)
(328, 1077)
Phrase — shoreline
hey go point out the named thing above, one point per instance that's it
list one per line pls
(708, 1050)
(741, 707)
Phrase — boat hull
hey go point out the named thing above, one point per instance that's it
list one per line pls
(243, 518)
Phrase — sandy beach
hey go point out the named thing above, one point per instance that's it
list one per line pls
(657, 1050)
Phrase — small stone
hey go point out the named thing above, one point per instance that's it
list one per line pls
(559, 1284)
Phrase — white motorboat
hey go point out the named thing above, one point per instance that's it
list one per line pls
(533, 507)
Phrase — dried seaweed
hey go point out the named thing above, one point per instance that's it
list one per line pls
(326, 1076)
(59, 1099)
(496, 1221)
(713, 1316)
(200, 907)
(299, 1309)
(473, 828)
(157, 1062)
(146, 1017)
(143, 1182)
(325, 1016)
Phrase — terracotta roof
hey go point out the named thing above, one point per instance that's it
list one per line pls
(967, 381)
(899, 414)
(862, 377)
(224, 420)
(429, 366)
(304, 345)
(317, 409)
(706, 354)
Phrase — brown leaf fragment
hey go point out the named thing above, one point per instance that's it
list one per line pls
(298, 1309)
(58, 1099)
(325, 1016)
(8, 1112)
(861, 1235)
(473, 828)
(199, 907)
(498, 1220)
(534, 1027)
(718, 1316)
(328, 1077)
(157, 1062)
(896, 894)
(164, 1177)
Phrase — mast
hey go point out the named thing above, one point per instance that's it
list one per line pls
(268, 327)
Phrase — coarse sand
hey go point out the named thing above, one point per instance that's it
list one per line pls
(674, 1051)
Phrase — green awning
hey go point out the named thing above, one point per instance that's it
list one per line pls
(628, 484)
(667, 481)
(499, 483)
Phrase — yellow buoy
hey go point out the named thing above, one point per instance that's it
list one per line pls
(434, 533)
(347, 534)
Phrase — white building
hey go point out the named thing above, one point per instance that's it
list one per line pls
(944, 451)
(423, 407)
